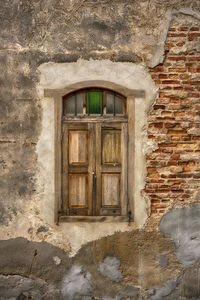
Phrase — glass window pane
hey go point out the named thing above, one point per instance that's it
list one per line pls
(109, 103)
(118, 105)
(70, 105)
(79, 99)
(94, 102)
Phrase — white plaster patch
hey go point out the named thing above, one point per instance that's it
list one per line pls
(57, 260)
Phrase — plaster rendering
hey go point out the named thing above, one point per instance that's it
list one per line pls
(149, 47)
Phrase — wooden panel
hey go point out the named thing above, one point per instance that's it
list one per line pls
(110, 211)
(78, 190)
(97, 202)
(65, 168)
(124, 179)
(78, 147)
(111, 190)
(111, 146)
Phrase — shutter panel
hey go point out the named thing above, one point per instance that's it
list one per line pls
(78, 153)
(111, 169)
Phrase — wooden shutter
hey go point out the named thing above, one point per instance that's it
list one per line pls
(78, 165)
(111, 169)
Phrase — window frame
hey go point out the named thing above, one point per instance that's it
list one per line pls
(57, 95)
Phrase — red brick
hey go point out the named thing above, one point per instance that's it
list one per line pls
(172, 181)
(179, 114)
(194, 58)
(172, 29)
(157, 82)
(167, 113)
(175, 156)
(177, 191)
(177, 88)
(150, 169)
(172, 163)
(193, 95)
(158, 107)
(177, 132)
(170, 82)
(167, 145)
(177, 58)
(194, 29)
(154, 175)
(184, 76)
(163, 76)
(180, 70)
(191, 82)
(194, 34)
(169, 45)
(162, 191)
(185, 196)
(183, 28)
(170, 125)
(173, 76)
(174, 101)
(158, 69)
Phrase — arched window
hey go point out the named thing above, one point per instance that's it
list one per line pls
(94, 155)
(94, 101)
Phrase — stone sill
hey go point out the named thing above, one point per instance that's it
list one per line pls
(104, 219)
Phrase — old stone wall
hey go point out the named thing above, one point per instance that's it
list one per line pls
(153, 45)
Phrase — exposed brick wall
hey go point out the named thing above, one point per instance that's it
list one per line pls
(174, 121)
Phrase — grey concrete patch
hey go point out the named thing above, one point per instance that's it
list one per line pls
(183, 226)
(109, 268)
(20, 288)
(77, 284)
(130, 292)
(160, 292)
(163, 260)
(22, 257)
(126, 292)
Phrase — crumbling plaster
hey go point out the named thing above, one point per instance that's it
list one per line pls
(59, 76)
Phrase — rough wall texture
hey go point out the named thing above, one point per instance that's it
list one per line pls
(174, 121)
(156, 262)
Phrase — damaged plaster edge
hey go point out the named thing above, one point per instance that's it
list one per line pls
(57, 76)
(158, 53)
(187, 11)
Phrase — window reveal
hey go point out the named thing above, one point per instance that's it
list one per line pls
(94, 154)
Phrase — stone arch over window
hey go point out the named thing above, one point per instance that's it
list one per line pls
(130, 81)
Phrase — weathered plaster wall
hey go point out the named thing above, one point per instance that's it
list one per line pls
(153, 262)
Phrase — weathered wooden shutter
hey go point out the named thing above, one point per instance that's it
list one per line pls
(78, 165)
(111, 169)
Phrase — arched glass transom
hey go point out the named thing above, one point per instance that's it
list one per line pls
(94, 101)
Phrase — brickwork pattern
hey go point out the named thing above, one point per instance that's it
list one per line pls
(174, 121)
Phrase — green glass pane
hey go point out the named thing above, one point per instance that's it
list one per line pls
(94, 102)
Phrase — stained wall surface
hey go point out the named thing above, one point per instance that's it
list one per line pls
(157, 46)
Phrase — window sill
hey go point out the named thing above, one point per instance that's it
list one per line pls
(105, 219)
